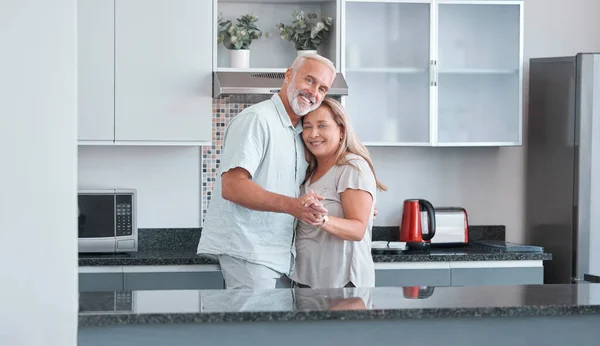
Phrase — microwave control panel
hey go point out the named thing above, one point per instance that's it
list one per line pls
(124, 215)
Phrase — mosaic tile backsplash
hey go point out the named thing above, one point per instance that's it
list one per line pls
(224, 109)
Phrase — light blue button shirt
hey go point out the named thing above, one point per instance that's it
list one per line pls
(262, 140)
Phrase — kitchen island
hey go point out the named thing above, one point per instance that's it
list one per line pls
(477, 315)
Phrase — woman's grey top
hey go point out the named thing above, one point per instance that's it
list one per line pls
(324, 260)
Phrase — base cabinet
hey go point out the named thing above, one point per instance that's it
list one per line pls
(173, 281)
(90, 282)
(400, 274)
(459, 273)
(134, 278)
(497, 276)
(413, 277)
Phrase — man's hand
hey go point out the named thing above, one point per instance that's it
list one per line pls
(354, 303)
(308, 208)
(315, 203)
(238, 187)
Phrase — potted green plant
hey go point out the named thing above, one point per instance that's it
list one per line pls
(306, 31)
(238, 37)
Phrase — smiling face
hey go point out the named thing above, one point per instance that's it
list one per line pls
(308, 86)
(321, 134)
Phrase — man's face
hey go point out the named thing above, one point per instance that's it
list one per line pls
(308, 87)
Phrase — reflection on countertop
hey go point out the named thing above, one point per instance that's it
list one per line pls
(222, 306)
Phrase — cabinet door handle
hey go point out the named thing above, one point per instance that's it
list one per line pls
(433, 73)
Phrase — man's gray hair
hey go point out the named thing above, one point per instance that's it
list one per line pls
(300, 60)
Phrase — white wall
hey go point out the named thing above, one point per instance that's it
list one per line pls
(38, 107)
(167, 180)
(483, 180)
(486, 181)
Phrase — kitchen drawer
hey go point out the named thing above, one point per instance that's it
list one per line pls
(95, 282)
(497, 276)
(199, 277)
(411, 274)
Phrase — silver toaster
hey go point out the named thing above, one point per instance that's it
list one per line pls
(451, 227)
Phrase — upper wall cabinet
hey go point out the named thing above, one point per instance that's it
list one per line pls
(387, 70)
(96, 80)
(145, 70)
(275, 53)
(434, 73)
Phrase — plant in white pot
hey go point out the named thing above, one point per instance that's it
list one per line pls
(307, 32)
(237, 38)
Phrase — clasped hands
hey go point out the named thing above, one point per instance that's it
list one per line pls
(313, 211)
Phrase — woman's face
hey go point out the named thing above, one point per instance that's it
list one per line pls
(321, 134)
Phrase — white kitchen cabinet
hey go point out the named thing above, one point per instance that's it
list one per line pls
(145, 72)
(149, 277)
(101, 278)
(163, 70)
(479, 73)
(520, 272)
(387, 70)
(95, 70)
(412, 274)
(434, 72)
(459, 273)
(183, 277)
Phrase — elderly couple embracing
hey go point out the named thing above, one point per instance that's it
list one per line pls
(294, 200)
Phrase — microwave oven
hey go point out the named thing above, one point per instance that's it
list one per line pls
(94, 302)
(107, 221)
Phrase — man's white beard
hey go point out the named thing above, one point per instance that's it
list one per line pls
(293, 94)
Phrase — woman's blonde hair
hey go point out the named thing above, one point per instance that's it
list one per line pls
(349, 142)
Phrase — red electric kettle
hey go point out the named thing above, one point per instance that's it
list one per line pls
(417, 292)
(411, 230)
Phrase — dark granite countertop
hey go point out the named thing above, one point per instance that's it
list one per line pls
(223, 306)
(592, 278)
(178, 247)
(183, 257)
(145, 257)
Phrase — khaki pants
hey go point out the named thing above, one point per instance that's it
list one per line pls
(243, 274)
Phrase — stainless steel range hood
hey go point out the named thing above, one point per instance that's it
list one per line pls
(238, 83)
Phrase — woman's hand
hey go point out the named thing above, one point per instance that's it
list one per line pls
(357, 205)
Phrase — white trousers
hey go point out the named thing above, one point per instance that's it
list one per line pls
(243, 274)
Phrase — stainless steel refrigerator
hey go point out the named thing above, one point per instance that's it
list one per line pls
(563, 164)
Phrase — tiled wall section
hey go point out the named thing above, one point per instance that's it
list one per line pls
(224, 109)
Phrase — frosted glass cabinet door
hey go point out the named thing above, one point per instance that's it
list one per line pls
(163, 70)
(387, 59)
(479, 73)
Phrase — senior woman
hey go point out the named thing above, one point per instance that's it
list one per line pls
(337, 251)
